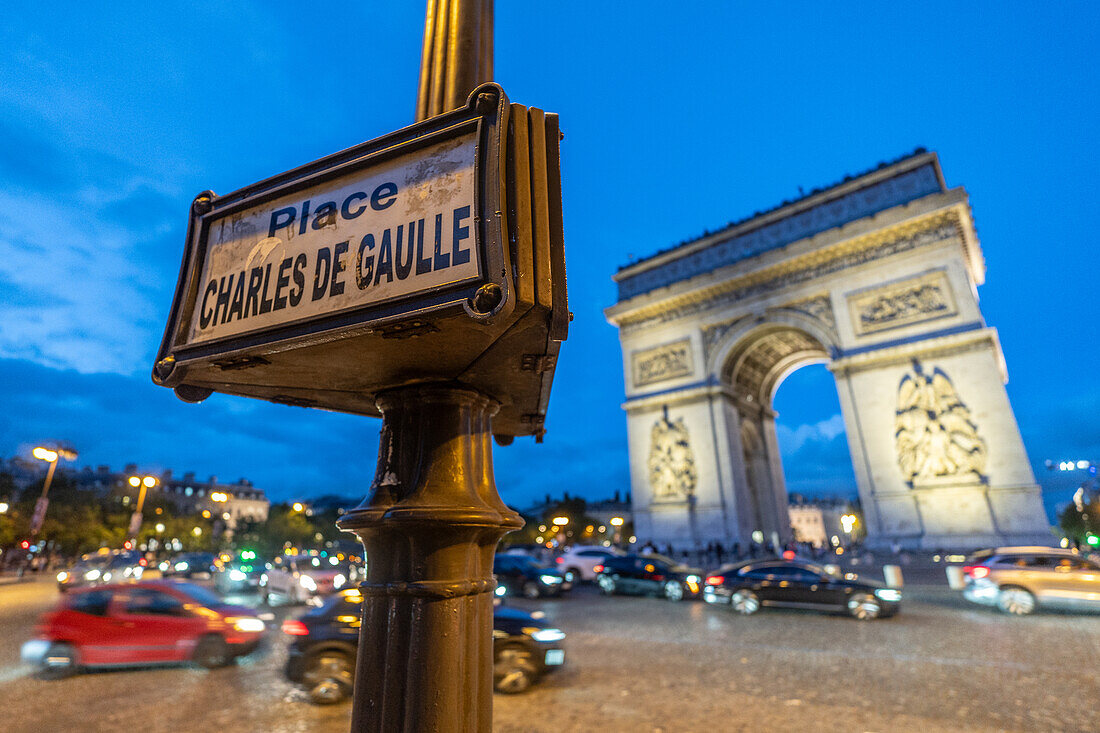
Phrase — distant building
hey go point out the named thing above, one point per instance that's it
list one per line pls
(818, 522)
(242, 501)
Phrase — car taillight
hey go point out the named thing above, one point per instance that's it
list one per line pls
(976, 571)
(715, 580)
(143, 562)
(294, 627)
(597, 568)
(559, 560)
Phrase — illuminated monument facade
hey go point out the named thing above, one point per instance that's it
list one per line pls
(876, 277)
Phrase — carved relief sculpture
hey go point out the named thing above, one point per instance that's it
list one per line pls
(935, 436)
(915, 300)
(663, 362)
(671, 461)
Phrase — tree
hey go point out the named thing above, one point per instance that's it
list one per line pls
(1077, 523)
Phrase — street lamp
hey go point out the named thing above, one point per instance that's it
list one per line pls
(561, 521)
(50, 456)
(617, 523)
(298, 506)
(144, 483)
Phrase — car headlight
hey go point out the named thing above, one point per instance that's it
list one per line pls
(551, 579)
(501, 590)
(91, 575)
(237, 575)
(888, 594)
(263, 579)
(693, 579)
(307, 582)
(545, 635)
(163, 566)
(180, 567)
(62, 577)
(247, 624)
(338, 581)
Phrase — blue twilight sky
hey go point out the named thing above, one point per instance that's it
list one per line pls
(678, 117)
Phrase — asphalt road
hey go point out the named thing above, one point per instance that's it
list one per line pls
(641, 664)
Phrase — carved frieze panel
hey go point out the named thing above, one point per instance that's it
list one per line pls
(662, 362)
(936, 438)
(671, 464)
(915, 300)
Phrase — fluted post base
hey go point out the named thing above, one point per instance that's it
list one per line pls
(430, 526)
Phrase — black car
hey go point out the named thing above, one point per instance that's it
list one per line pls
(749, 585)
(649, 575)
(322, 655)
(198, 565)
(521, 575)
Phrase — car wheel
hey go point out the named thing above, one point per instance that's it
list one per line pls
(744, 602)
(531, 589)
(513, 670)
(265, 597)
(329, 676)
(864, 606)
(674, 591)
(607, 584)
(1015, 601)
(211, 652)
(60, 661)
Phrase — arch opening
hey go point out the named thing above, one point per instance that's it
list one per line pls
(753, 371)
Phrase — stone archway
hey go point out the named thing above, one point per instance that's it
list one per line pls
(877, 277)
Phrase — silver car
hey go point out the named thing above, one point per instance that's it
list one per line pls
(1017, 580)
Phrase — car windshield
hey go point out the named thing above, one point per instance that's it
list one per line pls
(205, 596)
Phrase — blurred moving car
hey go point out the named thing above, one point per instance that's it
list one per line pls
(194, 565)
(302, 578)
(520, 575)
(240, 573)
(579, 562)
(1017, 580)
(748, 586)
(102, 567)
(141, 623)
(649, 575)
(322, 655)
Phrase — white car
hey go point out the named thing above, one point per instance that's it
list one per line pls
(301, 578)
(578, 562)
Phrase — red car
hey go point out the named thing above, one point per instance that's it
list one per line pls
(142, 623)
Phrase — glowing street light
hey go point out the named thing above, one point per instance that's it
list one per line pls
(45, 454)
(3, 507)
(219, 496)
(298, 506)
(160, 527)
(50, 456)
(560, 521)
(616, 522)
(848, 522)
(144, 483)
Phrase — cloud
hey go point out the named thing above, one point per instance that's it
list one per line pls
(792, 441)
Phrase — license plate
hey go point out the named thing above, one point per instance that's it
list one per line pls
(555, 657)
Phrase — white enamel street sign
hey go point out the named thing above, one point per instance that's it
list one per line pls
(385, 233)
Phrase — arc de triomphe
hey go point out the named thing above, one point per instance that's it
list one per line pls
(876, 277)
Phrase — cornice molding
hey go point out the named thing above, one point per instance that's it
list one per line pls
(923, 231)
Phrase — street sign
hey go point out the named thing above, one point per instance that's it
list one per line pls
(431, 254)
(383, 232)
(39, 515)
